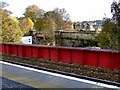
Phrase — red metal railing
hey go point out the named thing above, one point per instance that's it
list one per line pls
(84, 56)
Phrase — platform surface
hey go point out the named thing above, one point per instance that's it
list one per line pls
(35, 79)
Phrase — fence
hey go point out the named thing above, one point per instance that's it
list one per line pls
(83, 56)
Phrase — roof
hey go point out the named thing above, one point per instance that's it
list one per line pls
(39, 35)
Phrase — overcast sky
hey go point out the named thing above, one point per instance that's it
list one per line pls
(79, 10)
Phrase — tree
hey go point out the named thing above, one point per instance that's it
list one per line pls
(63, 13)
(57, 18)
(110, 35)
(108, 39)
(10, 28)
(47, 26)
(115, 10)
(26, 25)
(50, 27)
(48, 31)
(3, 4)
(33, 12)
(40, 24)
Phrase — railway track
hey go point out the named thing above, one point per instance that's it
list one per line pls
(98, 82)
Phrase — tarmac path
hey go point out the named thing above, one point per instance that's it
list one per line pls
(32, 78)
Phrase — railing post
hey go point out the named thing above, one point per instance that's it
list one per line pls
(97, 59)
(58, 55)
(83, 58)
(71, 61)
(17, 50)
(6, 47)
(49, 53)
(0, 47)
(3, 48)
(23, 54)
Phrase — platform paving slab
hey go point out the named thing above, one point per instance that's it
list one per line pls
(41, 80)
(27, 81)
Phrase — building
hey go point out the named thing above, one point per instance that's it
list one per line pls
(88, 26)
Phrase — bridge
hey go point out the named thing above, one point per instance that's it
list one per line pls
(76, 39)
(84, 56)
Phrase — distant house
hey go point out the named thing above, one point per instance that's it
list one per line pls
(88, 26)
(85, 26)
(68, 26)
(92, 27)
(96, 27)
(78, 26)
(100, 27)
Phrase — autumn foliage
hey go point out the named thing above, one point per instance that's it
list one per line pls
(26, 25)
(10, 29)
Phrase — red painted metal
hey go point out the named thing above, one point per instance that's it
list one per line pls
(35, 52)
(83, 56)
(19, 50)
(0, 47)
(26, 51)
(7, 49)
(64, 55)
(77, 56)
(53, 54)
(104, 59)
(115, 63)
(3, 48)
(90, 58)
(43, 53)
(13, 49)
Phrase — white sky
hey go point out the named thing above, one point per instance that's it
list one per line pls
(79, 10)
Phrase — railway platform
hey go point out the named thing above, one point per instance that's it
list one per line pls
(26, 77)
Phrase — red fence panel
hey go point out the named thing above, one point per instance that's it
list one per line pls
(104, 59)
(65, 55)
(90, 58)
(19, 48)
(43, 53)
(13, 49)
(0, 48)
(53, 54)
(35, 52)
(3, 48)
(26, 50)
(77, 56)
(115, 61)
(7, 49)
